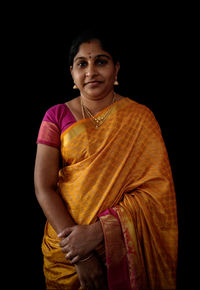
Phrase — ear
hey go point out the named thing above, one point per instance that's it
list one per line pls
(71, 70)
(117, 67)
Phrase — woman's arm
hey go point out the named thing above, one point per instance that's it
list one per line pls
(77, 240)
(45, 178)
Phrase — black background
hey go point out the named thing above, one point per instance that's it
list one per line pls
(153, 65)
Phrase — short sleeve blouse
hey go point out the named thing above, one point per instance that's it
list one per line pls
(56, 120)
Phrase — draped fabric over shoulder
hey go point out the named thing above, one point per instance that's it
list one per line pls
(120, 174)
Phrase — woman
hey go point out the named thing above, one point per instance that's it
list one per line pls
(110, 208)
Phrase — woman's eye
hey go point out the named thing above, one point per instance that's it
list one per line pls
(101, 61)
(82, 64)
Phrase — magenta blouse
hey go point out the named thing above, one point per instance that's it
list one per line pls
(56, 120)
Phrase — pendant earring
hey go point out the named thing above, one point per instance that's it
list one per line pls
(116, 83)
(75, 87)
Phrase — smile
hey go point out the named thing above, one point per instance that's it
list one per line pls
(93, 83)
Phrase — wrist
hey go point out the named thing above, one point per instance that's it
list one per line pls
(87, 258)
(98, 231)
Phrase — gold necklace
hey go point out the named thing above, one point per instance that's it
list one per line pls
(97, 121)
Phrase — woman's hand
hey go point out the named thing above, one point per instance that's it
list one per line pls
(91, 275)
(78, 241)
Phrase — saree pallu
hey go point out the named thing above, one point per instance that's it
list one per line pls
(120, 174)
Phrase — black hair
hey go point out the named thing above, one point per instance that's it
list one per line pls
(107, 41)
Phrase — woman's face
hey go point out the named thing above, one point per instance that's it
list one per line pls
(93, 70)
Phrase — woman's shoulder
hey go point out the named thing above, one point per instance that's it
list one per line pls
(59, 114)
(138, 107)
(144, 114)
(56, 110)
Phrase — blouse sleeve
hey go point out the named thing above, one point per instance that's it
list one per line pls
(49, 132)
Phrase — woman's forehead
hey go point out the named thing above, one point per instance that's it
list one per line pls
(90, 49)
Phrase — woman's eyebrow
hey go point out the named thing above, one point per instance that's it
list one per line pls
(104, 55)
(79, 57)
(97, 56)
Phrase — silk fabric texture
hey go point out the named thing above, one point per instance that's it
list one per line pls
(120, 174)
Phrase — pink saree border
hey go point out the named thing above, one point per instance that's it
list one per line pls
(116, 253)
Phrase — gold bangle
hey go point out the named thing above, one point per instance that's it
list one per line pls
(87, 258)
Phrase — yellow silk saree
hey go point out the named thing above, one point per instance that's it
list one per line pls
(120, 174)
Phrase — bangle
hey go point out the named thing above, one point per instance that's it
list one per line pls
(87, 258)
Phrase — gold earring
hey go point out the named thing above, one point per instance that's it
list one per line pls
(75, 87)
(116, 83)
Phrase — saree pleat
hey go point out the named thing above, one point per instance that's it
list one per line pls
(120, 174)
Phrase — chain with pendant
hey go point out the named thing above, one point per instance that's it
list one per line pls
(97, 121)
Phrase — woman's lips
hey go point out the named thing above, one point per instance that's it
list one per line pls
(93, 83)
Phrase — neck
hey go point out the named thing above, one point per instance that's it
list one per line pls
(95, 105)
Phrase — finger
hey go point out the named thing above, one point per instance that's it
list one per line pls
(71, 256)
(64, 242)
(83, 284)
(65, 232)
(65, 249)
(75, 259)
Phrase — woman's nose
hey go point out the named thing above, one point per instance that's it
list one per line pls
(91, 70)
